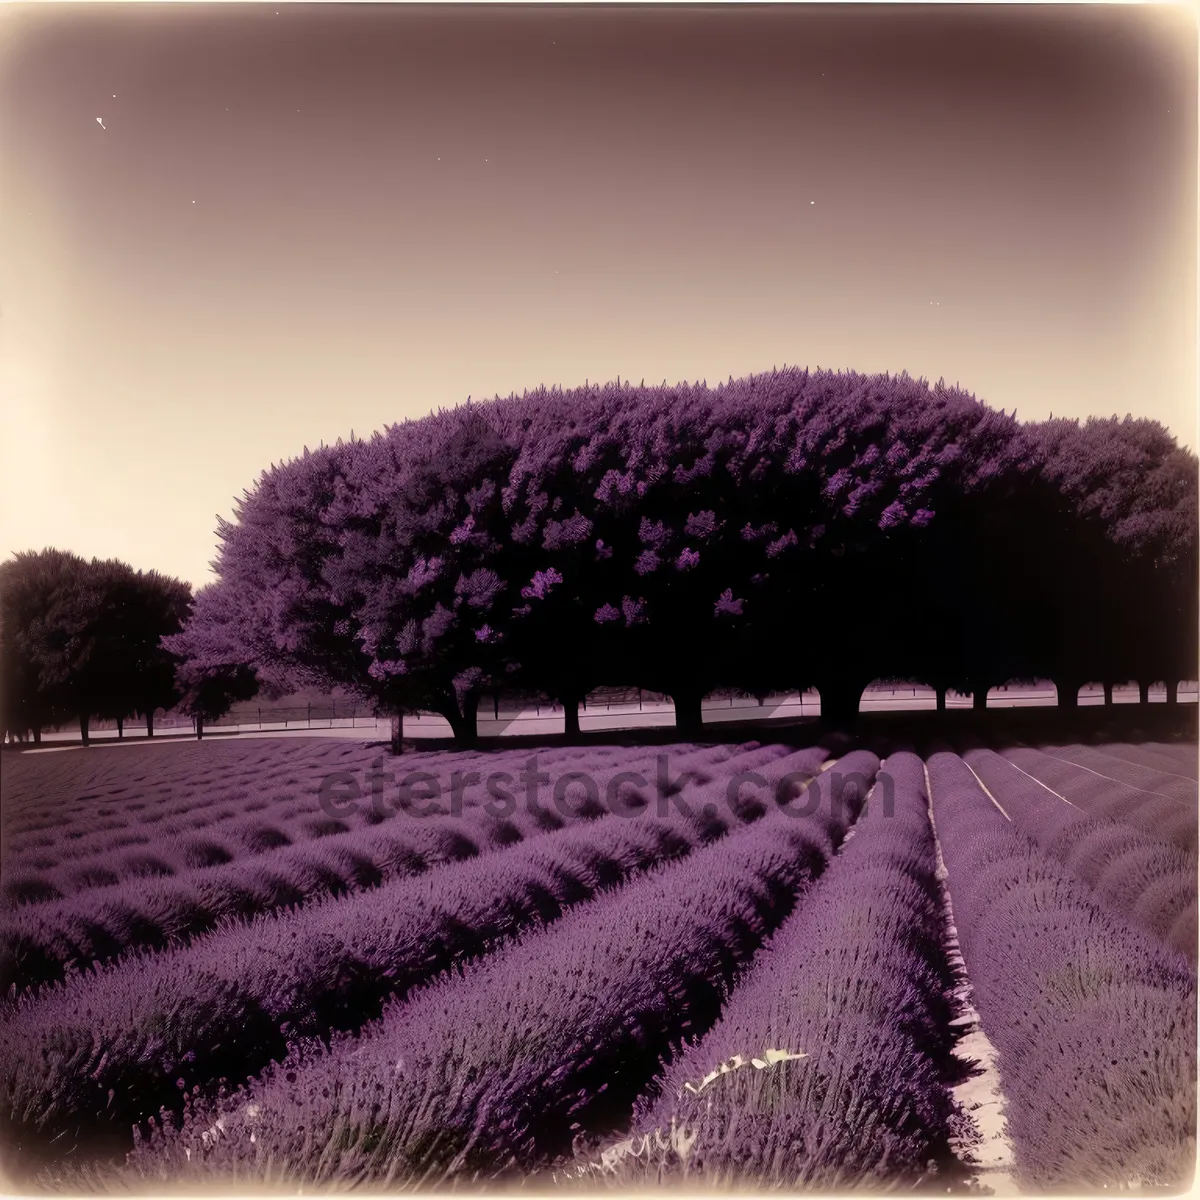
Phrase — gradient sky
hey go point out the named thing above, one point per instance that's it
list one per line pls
(299, 220)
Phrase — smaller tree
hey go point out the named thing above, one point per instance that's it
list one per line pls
(215, 660)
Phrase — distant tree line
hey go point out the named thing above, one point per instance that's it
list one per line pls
(82, 640)
(787, 530)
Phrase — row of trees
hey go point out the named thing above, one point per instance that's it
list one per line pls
(82, 639)
(782, 531)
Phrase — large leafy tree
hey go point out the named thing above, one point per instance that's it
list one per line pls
(785, 530)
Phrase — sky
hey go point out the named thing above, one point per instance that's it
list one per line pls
(229, 231)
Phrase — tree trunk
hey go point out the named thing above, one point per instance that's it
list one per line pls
(1108, 693)
(83, 728)
(689, 718)
(464, 723)
(150, 724)
(1143, 692)
(570, 705)
(941, 699)
(120, 728)
(398, 733)
(979, 691)
(1172, 691)
(1068, 693)
(37, 735)
(199, 728)
(839, 700)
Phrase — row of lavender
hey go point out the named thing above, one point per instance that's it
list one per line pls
(508, 1060)
(836, 1043)
(153, 828)
(830, 1065)
(86, 1059)
(43, 943)
(1094, 1021)
(1147, 879)
(1171, 818)
(1167, 778)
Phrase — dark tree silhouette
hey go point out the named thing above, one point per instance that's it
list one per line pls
(28, 583)
(1133, 548)
(81, 639)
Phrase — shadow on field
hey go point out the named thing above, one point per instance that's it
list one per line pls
(922, 732)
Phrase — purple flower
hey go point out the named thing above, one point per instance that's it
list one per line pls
(726, 605)
(647, 563)
(653, 533)
(463, 532)
(634, 610)
(777, 547)
(542, 583)
(561, 534)
(687, 559)
(606, 613)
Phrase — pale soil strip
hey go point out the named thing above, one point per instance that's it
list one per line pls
(983, 788)
(990, 1151)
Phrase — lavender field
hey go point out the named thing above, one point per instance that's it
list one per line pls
(305, 962)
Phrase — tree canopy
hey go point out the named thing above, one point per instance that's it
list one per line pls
(791, 529)
(83, 638)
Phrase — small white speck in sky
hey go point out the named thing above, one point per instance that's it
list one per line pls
(100, 122)
(812, 202)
